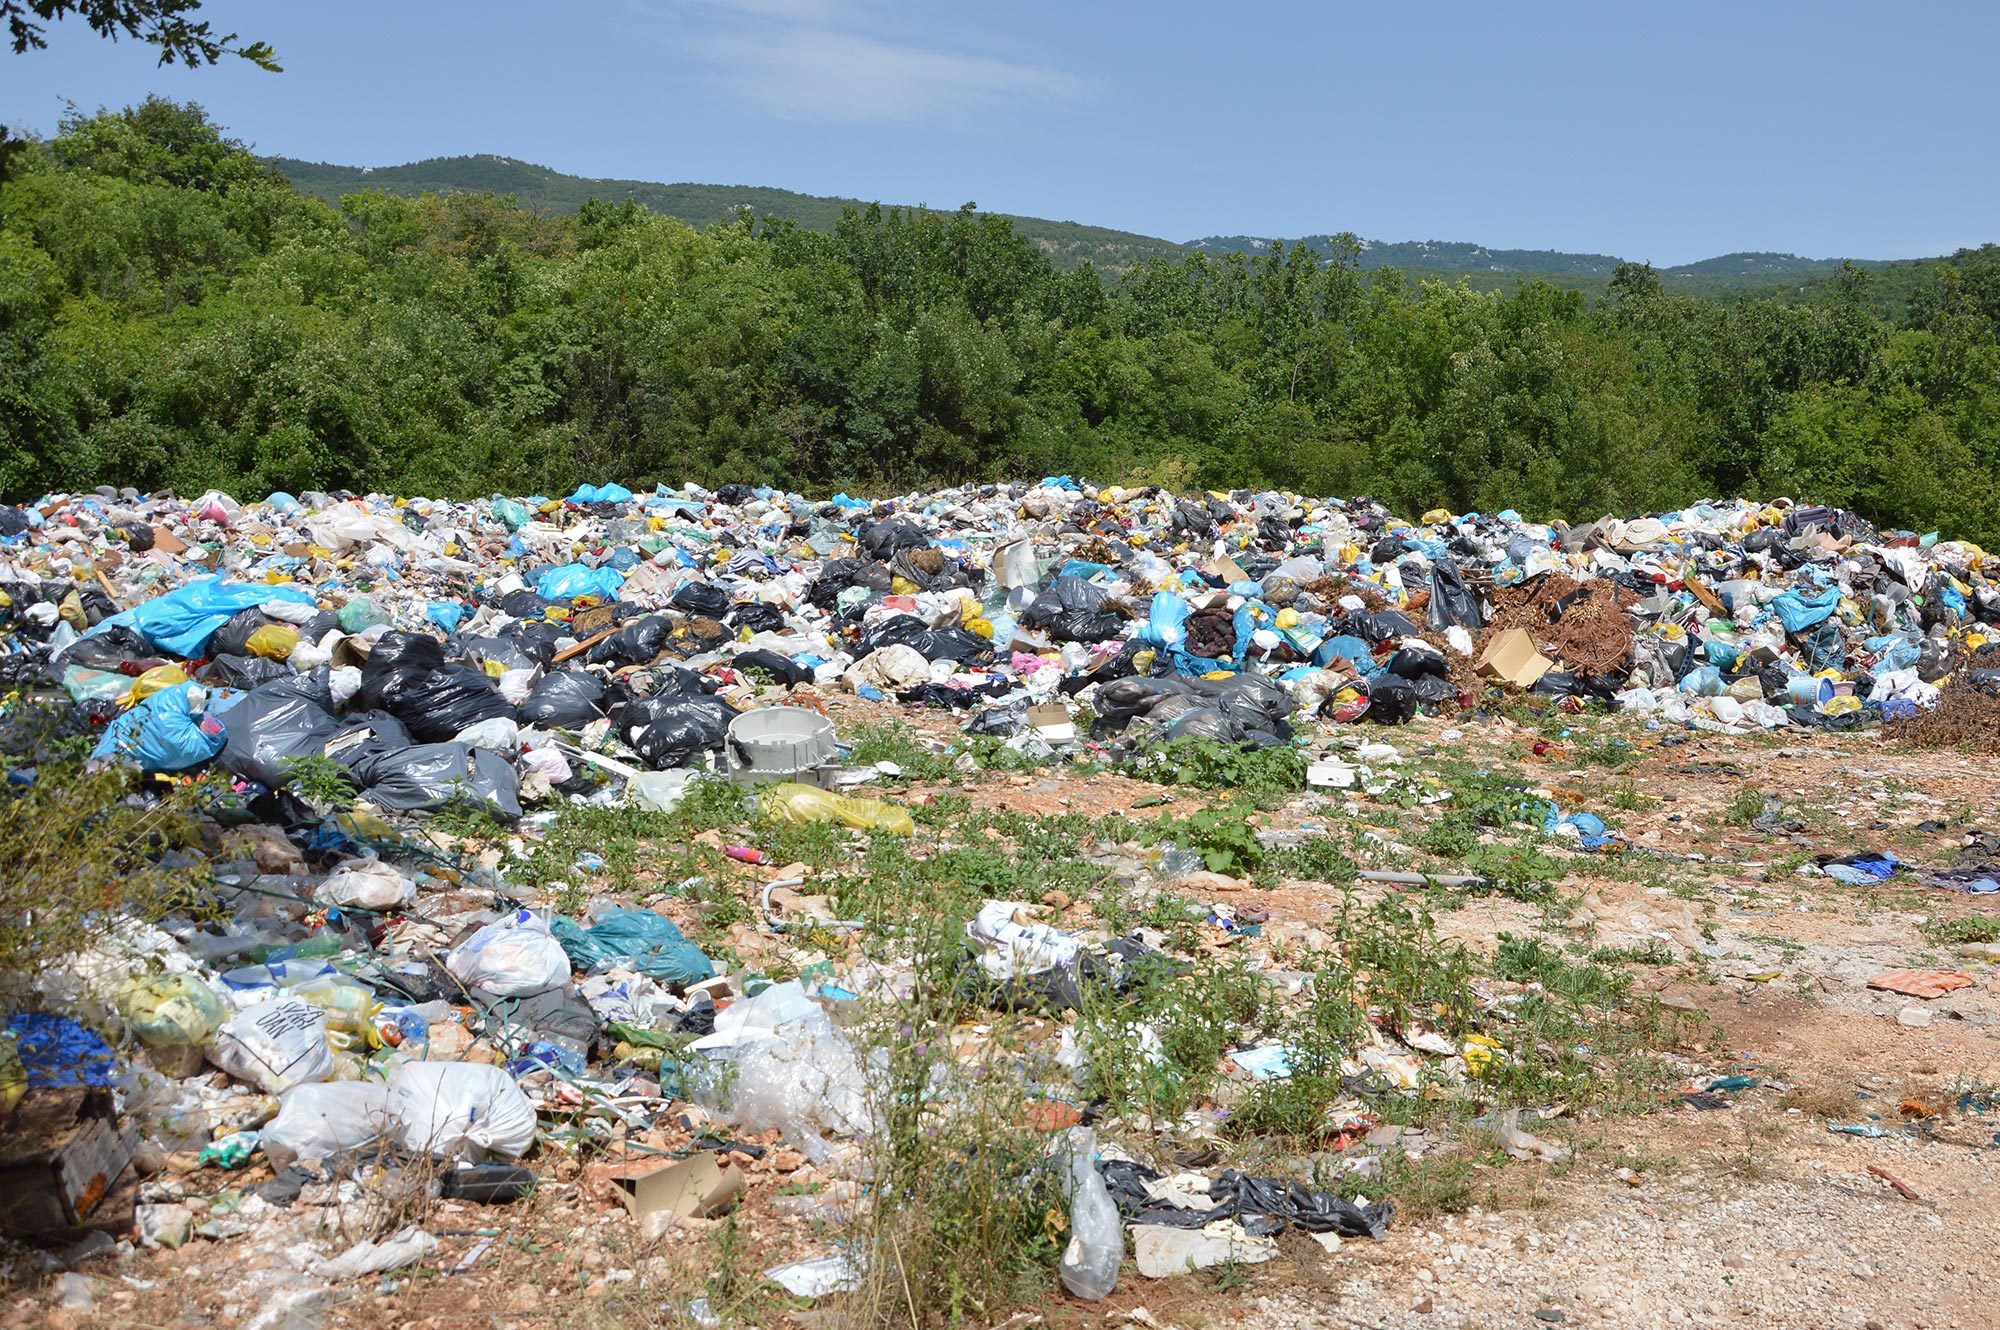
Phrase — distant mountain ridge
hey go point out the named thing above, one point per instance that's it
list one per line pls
(1457, 256)
(1067, 244)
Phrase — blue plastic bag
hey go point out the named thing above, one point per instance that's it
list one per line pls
(162, 734)
(576, 579)
(612, 493)
(1798, 612)
(56, 1051)
(634, 940)
(182, 621)
(1165, 622)
(446, 614)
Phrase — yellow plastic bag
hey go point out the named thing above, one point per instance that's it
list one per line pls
(171, 1009)
(797, 805)
(273, 641)
(157, 679)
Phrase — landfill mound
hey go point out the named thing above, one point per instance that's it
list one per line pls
(396, 970)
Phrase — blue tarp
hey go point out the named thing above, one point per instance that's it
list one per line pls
(182, 621)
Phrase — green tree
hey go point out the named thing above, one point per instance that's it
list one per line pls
(169, 25)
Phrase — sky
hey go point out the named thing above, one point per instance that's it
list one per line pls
(1658, 132)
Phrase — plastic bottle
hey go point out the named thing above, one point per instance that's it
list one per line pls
(1096, 1237)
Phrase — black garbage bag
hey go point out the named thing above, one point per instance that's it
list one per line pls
(1452, 602)
(274, 722)
(1379, 626)
(13, 521)
(757, 617)
(242, 672)
(638, 643)
(1434, 690)
(525, 604)
(1061, 596)
(735, 495)
(520, 651)
(1203, 722)
(435, 775)
(566, 701)
(883, 540)
(700, 598)
(233, 638)
(928, 568)
(363, 739)
(1392, 700)
(1411, 664)
(674, 731)
(1313, 1211)
(836, 575)
(115, 646)
(930, 643)
(778, 667)
(436, 704)
(403, 651)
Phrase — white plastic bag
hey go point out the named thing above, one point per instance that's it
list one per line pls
(511, 958)
(461, 1109)
(1089, 1266)
(787, 1066)
(367, 884)
(275, 1045)
(322, 1121)
(498, 734)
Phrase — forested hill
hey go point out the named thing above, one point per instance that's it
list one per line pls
(175, 313)
(1066, 244)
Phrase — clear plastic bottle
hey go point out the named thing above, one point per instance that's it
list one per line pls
(1096, 1236)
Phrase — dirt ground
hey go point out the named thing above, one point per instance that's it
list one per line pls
(1738, 1208)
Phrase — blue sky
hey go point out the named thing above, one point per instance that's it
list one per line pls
(1661, 132)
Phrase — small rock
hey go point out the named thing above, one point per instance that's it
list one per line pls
(1552, 1315)
(1736, 1262)
(76, 1293)
(1914, 1017)
(1422, 1306)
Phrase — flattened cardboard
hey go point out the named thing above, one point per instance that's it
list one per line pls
(1226, 568)
(167, 542)
(1511, 657)
(701, 1184)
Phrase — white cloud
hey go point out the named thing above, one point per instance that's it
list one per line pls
(832, 60)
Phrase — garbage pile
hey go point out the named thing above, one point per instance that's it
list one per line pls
(372, 998)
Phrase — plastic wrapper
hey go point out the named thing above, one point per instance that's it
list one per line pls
(782, 1065)
(798, 804)
(368, 884)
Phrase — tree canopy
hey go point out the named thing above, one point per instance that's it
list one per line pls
(169, 25)
(173, 312)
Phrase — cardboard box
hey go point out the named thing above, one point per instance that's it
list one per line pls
(1512, 658)
(701, 1184)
